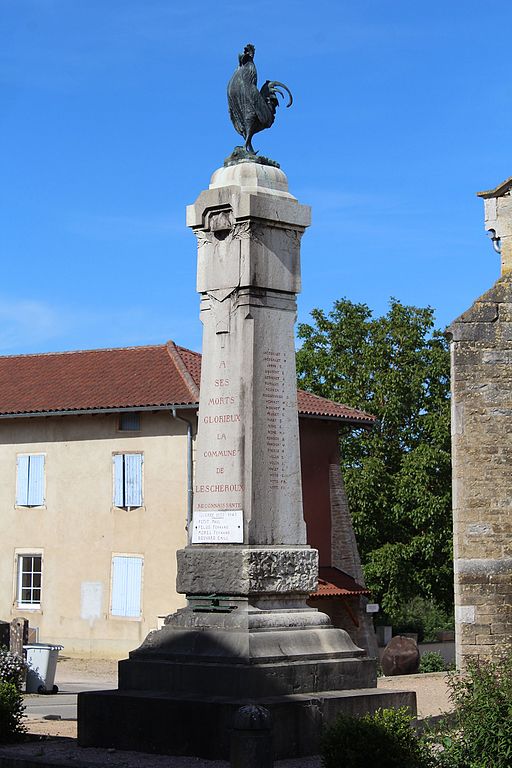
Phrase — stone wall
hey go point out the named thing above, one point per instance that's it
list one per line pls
(345, 555)
(344, 551)
(481, 352)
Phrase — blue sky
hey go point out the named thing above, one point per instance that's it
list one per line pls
(114, 117)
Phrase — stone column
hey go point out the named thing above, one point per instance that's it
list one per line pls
(248, 534)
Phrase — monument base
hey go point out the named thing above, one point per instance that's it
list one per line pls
(178, 692)
(157, 722)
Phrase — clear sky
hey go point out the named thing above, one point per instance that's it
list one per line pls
(113, 117)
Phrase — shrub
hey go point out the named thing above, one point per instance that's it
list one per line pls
(11, 713)
(432, 661)
(12, 668)
(436, 620)
(481, 731)
(385, 739)
(424, 617)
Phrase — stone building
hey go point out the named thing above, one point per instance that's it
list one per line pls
(481, 354)
(96, 461)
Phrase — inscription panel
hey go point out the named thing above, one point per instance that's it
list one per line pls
(221, 526)
(276, 513)
(274, 366)
(218, 484)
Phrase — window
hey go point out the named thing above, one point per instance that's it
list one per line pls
(129, 422)
(30, 480)
(126, 586)
(127, 480)
(28, 593)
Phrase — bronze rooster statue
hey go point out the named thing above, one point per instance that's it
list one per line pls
(251, 110)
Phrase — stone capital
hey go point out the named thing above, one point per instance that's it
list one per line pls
(239, 570)
(247, 191)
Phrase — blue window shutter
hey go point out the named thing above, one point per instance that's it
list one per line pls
(22, 481)
(126, 586)
(118, 585)
(133, 479)
(118, 479)
(133, 586)
(35, 480)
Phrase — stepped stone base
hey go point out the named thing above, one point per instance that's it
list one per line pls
(158, 722)
(250, 681)
(178, 692)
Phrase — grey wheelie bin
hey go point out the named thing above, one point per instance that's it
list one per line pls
(41, 666)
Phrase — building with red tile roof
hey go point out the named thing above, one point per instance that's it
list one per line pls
(96, 457)
(102, 380)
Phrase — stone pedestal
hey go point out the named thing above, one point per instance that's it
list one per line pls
(246, 635)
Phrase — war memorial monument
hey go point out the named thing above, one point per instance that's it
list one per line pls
(246, 635)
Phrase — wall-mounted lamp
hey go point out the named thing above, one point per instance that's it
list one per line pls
(496, 241)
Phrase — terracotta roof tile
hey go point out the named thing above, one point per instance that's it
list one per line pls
(193, 362)
(335, 583)
(315, 405)
(184, 359)
(127, 377)
(91, 379)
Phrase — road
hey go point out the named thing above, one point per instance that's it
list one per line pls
(63, 703)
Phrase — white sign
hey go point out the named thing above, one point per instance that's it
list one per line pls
(218, 526)
(372, 608)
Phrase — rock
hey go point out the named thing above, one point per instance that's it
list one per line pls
(401, 657)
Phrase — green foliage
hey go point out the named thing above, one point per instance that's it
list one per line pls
(425, 617)
(398, 474)
(481, 734)
(11, 713)
(12, 668)
(477, 735)
(385, 739)
(432, 661)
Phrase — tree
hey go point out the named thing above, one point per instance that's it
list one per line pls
(397, 474)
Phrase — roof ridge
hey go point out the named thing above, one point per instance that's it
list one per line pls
(182, 369)
(84, 351)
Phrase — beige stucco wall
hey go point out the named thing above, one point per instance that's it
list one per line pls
(79, 530)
